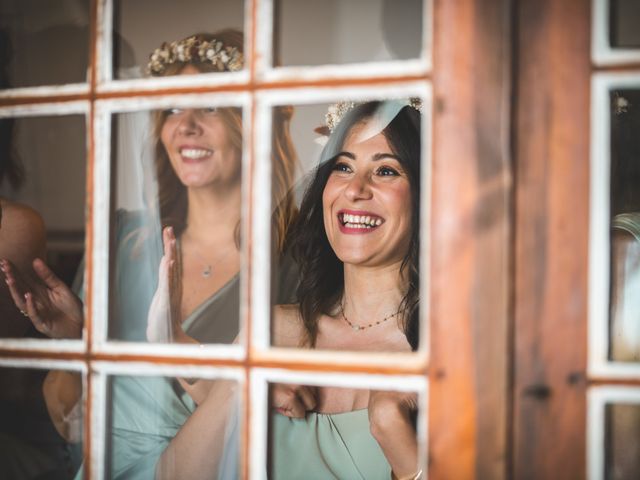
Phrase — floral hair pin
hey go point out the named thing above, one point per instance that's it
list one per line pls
(337, 111)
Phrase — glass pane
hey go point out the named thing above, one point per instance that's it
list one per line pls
(624, 19)
(342, 433)
(339, 32)
(622, 433)
(178, 168)
(625, 233)
(42, 195)
(146, 414)
(43, 42)
(355, 246)
(41, 427)
(169, 22)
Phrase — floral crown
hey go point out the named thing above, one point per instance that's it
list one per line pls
(195, 49)
(337, 111)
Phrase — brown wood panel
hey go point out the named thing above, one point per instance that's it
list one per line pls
(552, 155)
(470, 240)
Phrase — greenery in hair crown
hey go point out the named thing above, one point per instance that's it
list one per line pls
(194, 49)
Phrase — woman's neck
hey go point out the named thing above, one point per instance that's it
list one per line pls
(213, 216)
(372, 293)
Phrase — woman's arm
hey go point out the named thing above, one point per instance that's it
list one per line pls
(62, 395)
(391, 425)
(197, 449)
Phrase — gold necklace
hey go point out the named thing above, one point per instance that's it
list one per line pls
(363, 327)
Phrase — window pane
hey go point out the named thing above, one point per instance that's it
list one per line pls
(178, 168)
(42, 190)
(625, 234)
(624, 18)
(168, 22)
(41, 426)
(339, 32)
(146, 413)
(355, 246)
(622, 432)
(342, 433)
(43, 42)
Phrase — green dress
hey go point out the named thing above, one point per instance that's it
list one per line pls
(145, 413)
(326, 446)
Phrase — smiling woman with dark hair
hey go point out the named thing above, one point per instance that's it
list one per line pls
(357, 244)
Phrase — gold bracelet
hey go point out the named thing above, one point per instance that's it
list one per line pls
(415, 476)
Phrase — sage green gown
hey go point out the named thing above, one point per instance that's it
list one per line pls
(326, 446)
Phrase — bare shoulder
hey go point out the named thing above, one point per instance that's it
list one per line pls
(287, 329)
(22, 232)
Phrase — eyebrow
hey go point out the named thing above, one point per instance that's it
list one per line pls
(376, 157)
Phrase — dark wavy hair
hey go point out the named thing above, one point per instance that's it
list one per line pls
(173, 194)
(321, 272)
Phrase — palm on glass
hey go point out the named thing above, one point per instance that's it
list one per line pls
(163, 321)
(49, 303)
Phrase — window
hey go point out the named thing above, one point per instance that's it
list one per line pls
(98, 127)
(613, 337)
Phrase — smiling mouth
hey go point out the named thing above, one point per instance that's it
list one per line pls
(195, 153)
(367, 222)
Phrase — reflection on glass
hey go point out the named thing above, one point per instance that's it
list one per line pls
(339, 32)
(622, 437)
(187, 177)
(356, 242)
(41, 425)
(146, 414)
(625, 227)
(624, 16)
(169, 22)
(43, 43)
(42, 195)
(342, 433)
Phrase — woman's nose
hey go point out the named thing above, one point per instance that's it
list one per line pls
(190, 122)
(359, 187)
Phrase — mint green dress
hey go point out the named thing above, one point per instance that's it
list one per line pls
(145, 413)
(326, 446)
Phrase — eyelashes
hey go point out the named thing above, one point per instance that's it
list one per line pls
(382, 171)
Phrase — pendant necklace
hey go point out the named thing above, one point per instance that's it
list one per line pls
(207, 269)
(358, 328)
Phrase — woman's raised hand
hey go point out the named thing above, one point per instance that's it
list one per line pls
(293, 400)
(164, 320)
(51, 306)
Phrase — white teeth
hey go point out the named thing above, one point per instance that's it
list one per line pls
(360, 221)
(194, 152)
